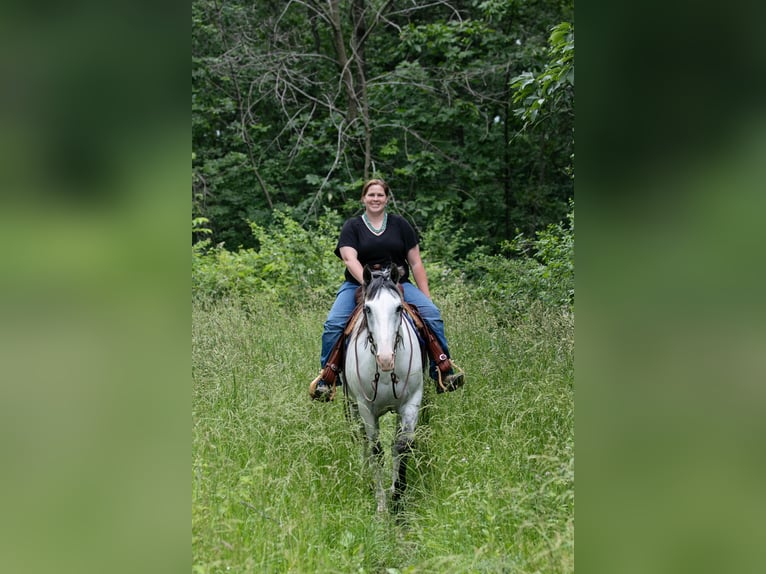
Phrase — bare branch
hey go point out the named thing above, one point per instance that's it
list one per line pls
(416, 8)
(339, 150)
(241, 107)
(426, 143)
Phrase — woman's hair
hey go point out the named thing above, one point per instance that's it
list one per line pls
(379, 182)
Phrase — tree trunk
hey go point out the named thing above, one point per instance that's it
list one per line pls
(343, 62)
(360, 32)
(243, 112)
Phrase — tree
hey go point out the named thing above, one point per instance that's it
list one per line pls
(295, 103)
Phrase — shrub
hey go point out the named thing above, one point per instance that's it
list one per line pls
(528, 271)
(290, 262)
(554, 249)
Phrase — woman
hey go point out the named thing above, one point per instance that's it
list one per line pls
(379, 238)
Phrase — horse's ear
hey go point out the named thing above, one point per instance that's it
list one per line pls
(366, 275)
(393, 273)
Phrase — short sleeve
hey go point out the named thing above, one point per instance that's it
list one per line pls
(348, 237)
(409, 235)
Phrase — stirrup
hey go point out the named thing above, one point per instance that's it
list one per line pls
(324, 395)
(452, 381)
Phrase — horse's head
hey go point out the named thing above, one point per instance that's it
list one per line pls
(383, 308)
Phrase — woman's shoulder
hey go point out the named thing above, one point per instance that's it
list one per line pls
(352, 222)
(398, 219)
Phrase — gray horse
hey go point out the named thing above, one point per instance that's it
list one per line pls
(384, 373)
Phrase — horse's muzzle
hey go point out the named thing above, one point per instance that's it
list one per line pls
(385, 361)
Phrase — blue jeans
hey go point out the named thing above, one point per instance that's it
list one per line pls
(345, 304)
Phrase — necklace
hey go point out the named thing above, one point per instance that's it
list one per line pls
(372, 228)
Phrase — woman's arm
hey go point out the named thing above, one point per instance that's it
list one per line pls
(349, 256)
(418, 270)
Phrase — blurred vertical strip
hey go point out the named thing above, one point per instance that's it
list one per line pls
(94, 319)
(671, 321)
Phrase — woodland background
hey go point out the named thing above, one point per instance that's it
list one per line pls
(465, 107)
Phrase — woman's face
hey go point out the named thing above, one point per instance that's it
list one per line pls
(375, 199)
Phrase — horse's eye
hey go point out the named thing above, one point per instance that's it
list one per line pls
(366, 310)
(399, 309)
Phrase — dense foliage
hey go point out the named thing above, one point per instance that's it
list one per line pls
(292, 263)
(464, 106)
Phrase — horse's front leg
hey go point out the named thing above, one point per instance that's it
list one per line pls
(374, 455)
(355, 420)
(405, 437)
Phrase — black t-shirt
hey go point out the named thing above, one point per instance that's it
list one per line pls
(391, 246)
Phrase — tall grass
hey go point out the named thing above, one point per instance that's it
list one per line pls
(279, 485)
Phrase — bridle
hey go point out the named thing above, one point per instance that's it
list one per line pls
(374, 350)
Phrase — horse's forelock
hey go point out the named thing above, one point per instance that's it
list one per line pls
(378, 283)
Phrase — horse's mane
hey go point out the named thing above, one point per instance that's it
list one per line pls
(380, 280)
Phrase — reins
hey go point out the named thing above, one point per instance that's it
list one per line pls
(373, 349)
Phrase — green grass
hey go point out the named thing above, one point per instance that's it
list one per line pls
(279, 485)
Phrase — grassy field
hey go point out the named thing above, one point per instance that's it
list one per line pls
(279, 485)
